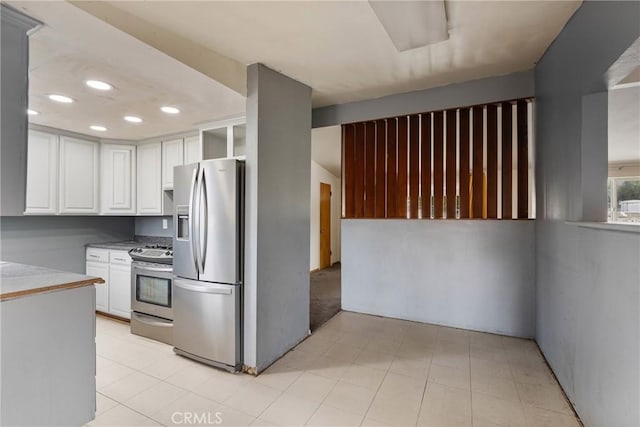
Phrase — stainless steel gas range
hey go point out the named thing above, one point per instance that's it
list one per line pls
(152, 292)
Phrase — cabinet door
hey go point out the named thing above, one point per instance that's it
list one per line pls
(120, 290)
(172, 155)
(118, 189)
(149, 172)
(100, 269)
(78, 176)
(192, 150)
(42, 173)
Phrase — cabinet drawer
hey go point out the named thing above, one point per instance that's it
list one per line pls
(119, 257)
(98, 255)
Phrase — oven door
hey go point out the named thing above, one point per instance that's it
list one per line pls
(152, 289)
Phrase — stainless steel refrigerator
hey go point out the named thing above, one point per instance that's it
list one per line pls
(208, 261)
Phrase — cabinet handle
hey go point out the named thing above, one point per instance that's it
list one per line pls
(94, 256)
(119, 259)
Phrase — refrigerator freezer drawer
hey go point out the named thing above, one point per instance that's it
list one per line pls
(206, 323)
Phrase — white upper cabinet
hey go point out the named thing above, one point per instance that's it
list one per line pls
(42, 173)
(79, 164)
(150, 179)
(192, 150)
(172, 155)
(226, 138)
(118, 183)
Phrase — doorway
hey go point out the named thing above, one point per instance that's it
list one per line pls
(325, 225)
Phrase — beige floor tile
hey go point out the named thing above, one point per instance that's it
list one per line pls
(154, 398)
(375, 359)
(329, 367)
(449, 376)
(537, 417)
(385, 345)
(121, 416)
(232, 417)
(189, 405)
(350, 397)
(458, 359)
(311, 387)
(370, 422)
(252, 398)
(221, 386)
(492, 355)
(485, 340)
(259, 422)
(279, 376)
(394, 410)
(411, 365)
(128, 386)
(445, 406)
(397, 385)
(527, 373)
(345, 352)
(104, 403)
(364, 376)
(166, 366)
(191, 376)
(494, 386)
(498, 411)
(545, 397)
(329, 416)
(359, 340)
(289, 410)
(490, 368)
(108, 373)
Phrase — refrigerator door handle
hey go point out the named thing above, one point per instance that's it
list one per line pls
(192, 217)
(204, 224)
(203, 289)
(201, 224)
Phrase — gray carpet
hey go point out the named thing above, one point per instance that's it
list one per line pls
(325, 295)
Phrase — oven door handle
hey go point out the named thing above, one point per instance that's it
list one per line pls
(158, 269)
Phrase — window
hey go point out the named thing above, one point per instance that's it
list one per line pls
(623, 199)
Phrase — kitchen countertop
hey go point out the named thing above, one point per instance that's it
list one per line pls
(117, 246)
(19, 280)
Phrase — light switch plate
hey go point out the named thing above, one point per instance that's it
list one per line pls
(165, 223)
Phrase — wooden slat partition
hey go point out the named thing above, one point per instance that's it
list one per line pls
(438, 159)
(523, 160)
(381, 173)
(370, 170)
(348, 166)
(452, 123)
(401, 198)
(478, 176)
(440, 164)
(414, 164)
(392, 170)
(464, 162)
(358, 186)
(492, 161)
(425, 146)
(507, 163)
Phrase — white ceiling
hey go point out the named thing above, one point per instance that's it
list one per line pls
(624, 124)
(341, 50)
(326, 150)
(74, 46)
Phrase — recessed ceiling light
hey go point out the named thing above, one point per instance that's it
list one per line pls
(133, 119)
(32, 112)
(100, 85)
(170, 110)
(98, 128)
(60, 98)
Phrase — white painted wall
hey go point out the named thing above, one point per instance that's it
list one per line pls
(318, 175)
(477, 275)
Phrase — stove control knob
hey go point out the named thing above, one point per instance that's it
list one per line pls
(167, 253)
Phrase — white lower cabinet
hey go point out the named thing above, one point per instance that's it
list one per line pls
(114, 296)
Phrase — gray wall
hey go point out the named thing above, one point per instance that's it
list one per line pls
(58, 241)
(588, 297)
(468, 274)
(13, 109)
(501, 88)
(277, 222)
(152, 226)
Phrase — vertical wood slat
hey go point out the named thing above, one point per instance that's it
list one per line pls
(414, 164)
(451, 169)
(392, 177)
(523, 160)
(381, 156)
(438, 158)
(358, 187)
(478, 179)
(425, 165)
(401, 198)
(507, 164)
(370, 170)
(492, 161)
(348, 154)
(464, 162)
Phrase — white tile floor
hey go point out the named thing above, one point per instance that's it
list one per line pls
(356, 370)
